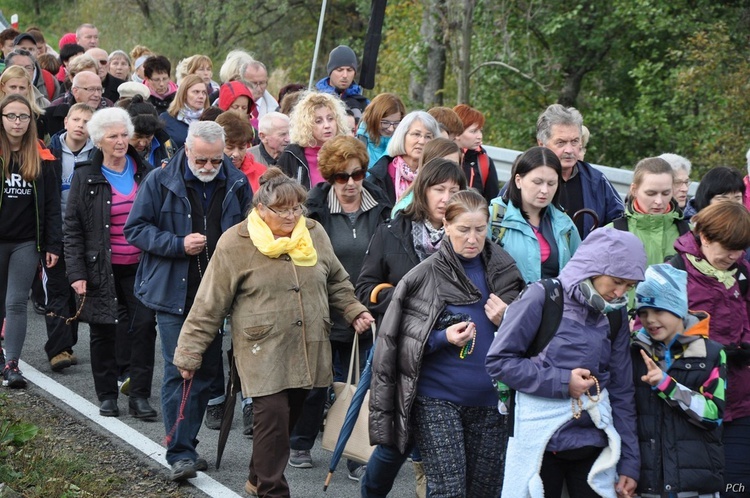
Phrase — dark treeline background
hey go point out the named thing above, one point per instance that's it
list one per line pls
(649, 76)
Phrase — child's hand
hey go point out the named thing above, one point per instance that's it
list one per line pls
(655, 374)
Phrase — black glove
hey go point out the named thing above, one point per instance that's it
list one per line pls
(447, 319)
(738, 356)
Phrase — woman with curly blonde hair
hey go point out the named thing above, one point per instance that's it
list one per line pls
(317, 118)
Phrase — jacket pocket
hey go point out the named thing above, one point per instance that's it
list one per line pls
(93, 266)
(257, 333)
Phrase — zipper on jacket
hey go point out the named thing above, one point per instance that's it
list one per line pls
(36, 210)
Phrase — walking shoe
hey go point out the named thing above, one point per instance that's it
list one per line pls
(182, 470)
(12, 376)
(247, 420)
(60, 362)
(73, 358)
(214, 414)
(109, 408)
(39, 308)
(300, 459)
(200, 464)
(139, 408)
(251, 490)
(124, 386)
(357, 473)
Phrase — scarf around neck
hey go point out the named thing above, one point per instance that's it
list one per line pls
(404, 176)
(596, 301)
(426, 238)
(299, 245)
(726, 277)
(187, 115)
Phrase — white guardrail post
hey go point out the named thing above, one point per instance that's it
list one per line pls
(620, 178)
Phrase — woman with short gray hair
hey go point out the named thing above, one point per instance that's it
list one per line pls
(681, 167)
(102, 265)
(396, 171)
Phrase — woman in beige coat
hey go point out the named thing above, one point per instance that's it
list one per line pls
(277, 275)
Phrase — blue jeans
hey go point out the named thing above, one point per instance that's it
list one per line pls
(184, 440)
(383, 468)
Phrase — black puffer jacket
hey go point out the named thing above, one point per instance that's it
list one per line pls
(88, 254)
(489, 187)
(391, 255)
(678, 454)
(419, 299)
(380, 177)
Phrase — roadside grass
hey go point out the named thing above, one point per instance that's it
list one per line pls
(34, 463)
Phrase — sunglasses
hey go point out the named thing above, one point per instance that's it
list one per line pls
(344, 177)
(214, 162)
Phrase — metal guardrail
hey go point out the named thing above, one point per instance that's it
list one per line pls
(620, 178)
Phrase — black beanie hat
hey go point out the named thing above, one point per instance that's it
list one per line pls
(341, 56)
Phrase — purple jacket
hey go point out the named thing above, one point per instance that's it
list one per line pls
(581, 341)
(729, 311)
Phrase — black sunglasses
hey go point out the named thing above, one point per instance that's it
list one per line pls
(344, 177)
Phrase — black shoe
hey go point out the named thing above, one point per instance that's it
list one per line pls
(109, 408)
(139, 408)
(39, 308)
(182, 470)
(214, 414)
(200, 464)
(12, 376)
(247, 420)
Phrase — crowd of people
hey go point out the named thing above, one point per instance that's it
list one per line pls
(532, 337)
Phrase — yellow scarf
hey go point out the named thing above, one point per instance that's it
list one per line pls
(299, 246)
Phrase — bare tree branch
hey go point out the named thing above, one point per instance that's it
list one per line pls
(541, 86)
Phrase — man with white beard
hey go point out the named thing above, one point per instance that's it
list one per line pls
(178, 215)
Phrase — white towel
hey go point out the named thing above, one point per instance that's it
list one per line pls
(536, 421)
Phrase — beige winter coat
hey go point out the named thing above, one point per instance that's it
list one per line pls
(280, 315)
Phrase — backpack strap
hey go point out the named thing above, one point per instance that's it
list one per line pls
(496, 219)
(552, 312)
(621, 224)
(484, 166)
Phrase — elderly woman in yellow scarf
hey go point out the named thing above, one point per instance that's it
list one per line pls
(277, 276)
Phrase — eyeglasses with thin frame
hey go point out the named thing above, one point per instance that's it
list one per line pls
(343, 177)
(385, 124)
(682, 183)
(12, 117)
(91, 89)
(257, 84)
(418, 136)
(215, 161)
(286, 213)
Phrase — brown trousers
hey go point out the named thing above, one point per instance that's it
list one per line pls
(274, 417)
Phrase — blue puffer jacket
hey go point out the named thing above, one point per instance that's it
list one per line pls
(582, 341)
(160, 220)
(352, 96)
(521, 243)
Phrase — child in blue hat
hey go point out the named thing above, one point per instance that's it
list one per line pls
(680, 378)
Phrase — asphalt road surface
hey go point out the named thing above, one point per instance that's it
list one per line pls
(233, 472)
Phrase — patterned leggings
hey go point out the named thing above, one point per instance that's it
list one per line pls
(463, 448)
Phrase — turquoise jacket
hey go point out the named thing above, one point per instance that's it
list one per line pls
(519, 240)
(375, 152)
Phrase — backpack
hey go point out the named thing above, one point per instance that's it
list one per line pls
(743, 278)
(496, 218)
(552, 311)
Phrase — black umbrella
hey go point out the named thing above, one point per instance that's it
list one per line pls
(233, 387)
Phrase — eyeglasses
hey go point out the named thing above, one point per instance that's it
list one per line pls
(344, 177)
(418, 136)
(682, 183)
(385, 124)
(257, 84)
(214, 161)
(17, 117)
(286, 213)
(91, 89)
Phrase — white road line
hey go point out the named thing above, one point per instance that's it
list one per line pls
(131, 436)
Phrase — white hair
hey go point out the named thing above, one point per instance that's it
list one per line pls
(677, 162)
(208, 131)
(396, 145)
(230, 70)
(266, 122)
(104, 119)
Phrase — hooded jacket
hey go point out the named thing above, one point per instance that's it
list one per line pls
(730, 324)
(521, 243)
(679, 419)
(657, 231)
(293, 163)
(581, 341)
(231, 91)
(352, 96)
(374, 151)
(88, 254)
(416, 304)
